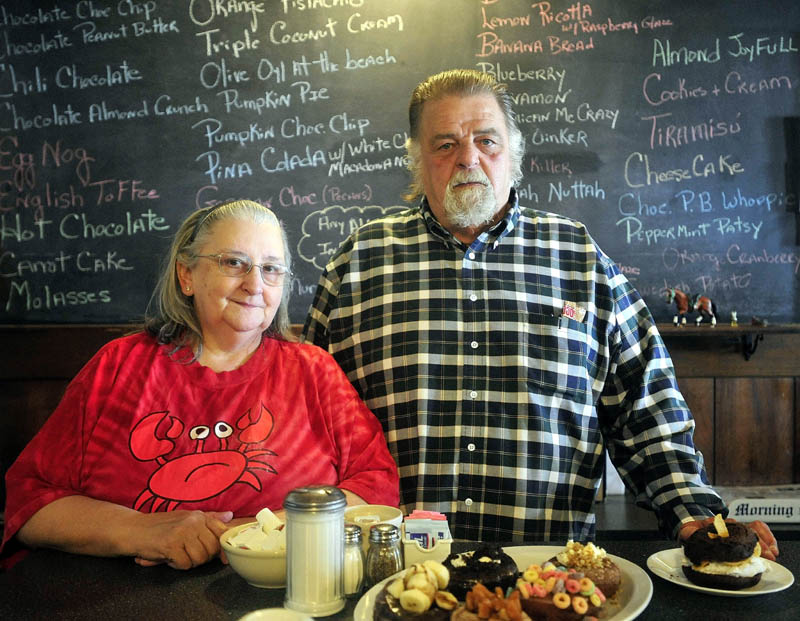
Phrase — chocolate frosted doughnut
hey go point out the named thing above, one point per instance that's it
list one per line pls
(729, 563)
(738, 546)
(487, 564)
(719, 581)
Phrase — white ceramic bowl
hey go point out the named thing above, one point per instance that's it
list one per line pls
(263, 569)
(367, 515)
(275, 614)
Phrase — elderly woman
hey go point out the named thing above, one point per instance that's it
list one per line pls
(169, 436)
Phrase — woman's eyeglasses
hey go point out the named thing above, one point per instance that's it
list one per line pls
(238, 265)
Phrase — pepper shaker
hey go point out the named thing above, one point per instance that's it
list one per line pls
(315, 550)
(353, 561)
(384, 557)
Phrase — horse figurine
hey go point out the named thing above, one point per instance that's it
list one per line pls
(700, 303)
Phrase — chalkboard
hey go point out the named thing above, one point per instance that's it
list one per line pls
(668, 127)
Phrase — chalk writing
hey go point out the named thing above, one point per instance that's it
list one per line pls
(335, 194)
(286, 162)
(214, 132)
(549, 166)
(68, 77)
(279, 36)
(289, 197)
(47, 299)
(666, 134)
(365, 62)
(564, 136)
(269, 100)
(90, 34)
(18, 84)
(665, 56)
(216, 42)
(309, 5)
(207, 196)
(518, 74)
(84, 261)
(574, 12)
(119, 118)
(604, 28)
(56, 116)
(638, 172)
(55, 42)
(768, 46)
(217, 170)
(203, 12)
(81, 226)
(636, 232)
(576, 190)
(39, 17)
(324, 230)
(502, 22)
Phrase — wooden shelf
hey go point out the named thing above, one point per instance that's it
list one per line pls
(723, 329)
(749, 335)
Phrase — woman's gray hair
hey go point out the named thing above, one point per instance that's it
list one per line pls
(463, 83)
(171, 316)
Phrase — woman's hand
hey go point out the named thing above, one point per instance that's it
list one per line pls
(769, 545)
(181, 539)
(83, 525)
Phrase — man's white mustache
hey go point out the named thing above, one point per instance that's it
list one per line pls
(468, 178)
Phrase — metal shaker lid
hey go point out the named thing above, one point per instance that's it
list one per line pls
(315, 498)
(352, 533)
(384, 533)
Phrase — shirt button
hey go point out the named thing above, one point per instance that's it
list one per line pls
(474, 344)
(471, 255)
(473, 298)
(470, 447)
(468, 502)
(473, 394)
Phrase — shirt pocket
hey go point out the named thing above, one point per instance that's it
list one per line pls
(556, 356)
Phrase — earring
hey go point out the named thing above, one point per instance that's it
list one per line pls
(188, 289)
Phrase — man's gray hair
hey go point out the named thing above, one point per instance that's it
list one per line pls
(463, 83)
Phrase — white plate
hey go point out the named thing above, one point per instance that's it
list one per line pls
(632, 598)
(667, 564)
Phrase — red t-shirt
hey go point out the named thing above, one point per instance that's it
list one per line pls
(140, 429)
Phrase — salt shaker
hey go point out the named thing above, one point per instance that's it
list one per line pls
(384, 557)
(315, 550)
(353, 561)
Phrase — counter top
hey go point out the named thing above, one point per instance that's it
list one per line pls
(55, 585)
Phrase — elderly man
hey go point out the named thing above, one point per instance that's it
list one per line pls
(500, 348)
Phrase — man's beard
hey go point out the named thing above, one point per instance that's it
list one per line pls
(473, 207)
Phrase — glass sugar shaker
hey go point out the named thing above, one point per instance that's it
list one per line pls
(353, 561)
(384, 556)
(315, 550)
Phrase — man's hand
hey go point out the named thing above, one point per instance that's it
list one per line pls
(769, 545)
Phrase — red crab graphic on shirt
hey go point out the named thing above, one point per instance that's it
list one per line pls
(202, 474)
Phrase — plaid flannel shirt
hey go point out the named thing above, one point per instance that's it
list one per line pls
(494, 405)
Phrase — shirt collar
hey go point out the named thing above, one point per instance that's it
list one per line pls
(490, 237)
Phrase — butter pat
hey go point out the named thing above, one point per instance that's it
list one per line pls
(268, 520)
(267, 535)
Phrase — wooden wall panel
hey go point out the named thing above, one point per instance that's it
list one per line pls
(49, 352)
(699, 395)
(754, 431)
(747, 412)
(796, 429)
(713, 352)
(24, 407)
